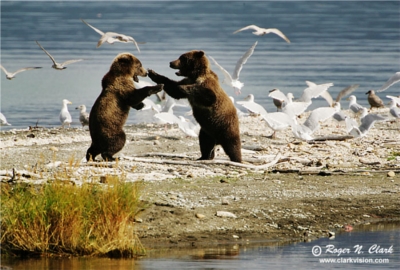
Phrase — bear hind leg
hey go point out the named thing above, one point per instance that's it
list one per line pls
(114, 146)
(91, 153)
(207, 146)
(233, 149)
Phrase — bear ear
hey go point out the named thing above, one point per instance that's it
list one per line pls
(199, 54)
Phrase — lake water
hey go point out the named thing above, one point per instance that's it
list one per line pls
(375, 246)
(343, 42)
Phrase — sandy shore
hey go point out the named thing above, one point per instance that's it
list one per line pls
(306, 191)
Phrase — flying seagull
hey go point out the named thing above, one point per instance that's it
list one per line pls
(111, 37)
(56, 65)
(11, 76)
(233, 80)
(263, 31)
(392, 80)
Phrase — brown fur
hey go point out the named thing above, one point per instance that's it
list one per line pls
(212, 108)
(111, 109)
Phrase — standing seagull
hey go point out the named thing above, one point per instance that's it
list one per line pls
(353, 105)
(374, 100)
(392, 80)
(111, 37)
(11, 76)
(233, 80)
(263, 31)
(65, 116)
(83, 115)
(56, 65)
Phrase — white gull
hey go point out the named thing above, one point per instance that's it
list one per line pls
(56, 65)
(263, 31)
(111, 37)
(233, 81)
(65, 116)
(11, 75)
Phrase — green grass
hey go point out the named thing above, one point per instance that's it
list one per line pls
(393, 155)
(60, 218)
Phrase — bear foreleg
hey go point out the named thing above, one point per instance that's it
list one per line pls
(135, 97)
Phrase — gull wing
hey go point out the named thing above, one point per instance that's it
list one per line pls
(71, 61)
(252, 26)
(24, 69)
(346, 91)
(368, 121)
(395, 99)
(226, 73)
(5, 71)
(242, 61)
(327, 97)
(313, 90)
(278, 32)
(278, 120)
(319, 115)
(295, 108)
(48, 54)
(392, 80)
(278, 94)
(94, 28)
(253, 107)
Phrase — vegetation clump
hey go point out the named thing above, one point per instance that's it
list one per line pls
(59, 218)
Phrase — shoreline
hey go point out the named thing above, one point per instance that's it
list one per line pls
(313, 188)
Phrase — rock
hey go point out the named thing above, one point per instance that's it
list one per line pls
(226, 214)
(54, 149)
(225, 201)
(235, 236)
(391, 174)
(200, 216)
(138, 220)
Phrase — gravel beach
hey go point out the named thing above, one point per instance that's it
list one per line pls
(285, 188)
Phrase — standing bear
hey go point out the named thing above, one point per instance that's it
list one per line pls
(212, 108)
(110, 111)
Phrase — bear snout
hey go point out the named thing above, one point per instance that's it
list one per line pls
(143, 72)
(174, 64)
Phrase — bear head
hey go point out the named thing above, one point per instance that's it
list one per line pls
(191, 64)
(126, 64)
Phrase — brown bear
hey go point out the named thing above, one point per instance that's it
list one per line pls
(212, 108)
(110, 111)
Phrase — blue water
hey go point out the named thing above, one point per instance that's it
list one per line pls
(343, 42)
(374, 246)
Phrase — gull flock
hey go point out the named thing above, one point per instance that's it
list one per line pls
(288, 112)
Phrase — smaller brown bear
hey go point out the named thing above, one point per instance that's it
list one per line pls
(212, 108)
(110, 111)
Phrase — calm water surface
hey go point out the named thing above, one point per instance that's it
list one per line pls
(359, 249)
(343, 42)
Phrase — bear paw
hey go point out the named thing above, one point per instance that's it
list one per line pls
(157, 88)
(153, 75)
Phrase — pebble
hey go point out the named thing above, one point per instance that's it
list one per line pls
(235, 236)
(391, 174)
(226, 214)
(138, 220)
(200, 216)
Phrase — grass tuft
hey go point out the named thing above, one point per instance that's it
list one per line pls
(60, 218)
